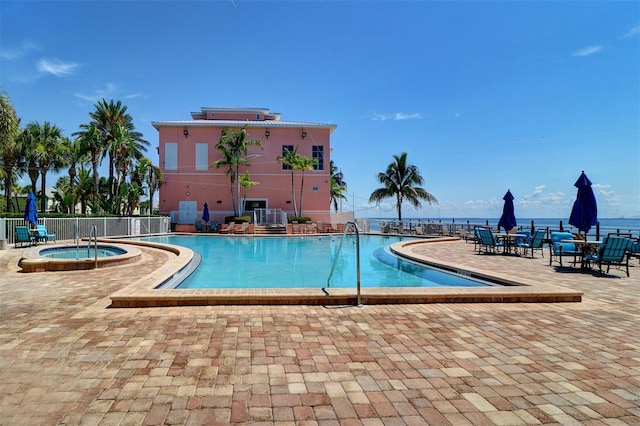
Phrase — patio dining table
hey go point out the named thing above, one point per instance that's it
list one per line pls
(509, 241)
(585, 248)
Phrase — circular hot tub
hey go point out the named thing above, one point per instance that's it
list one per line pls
(72, 258)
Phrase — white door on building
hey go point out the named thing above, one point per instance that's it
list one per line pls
(188, 211)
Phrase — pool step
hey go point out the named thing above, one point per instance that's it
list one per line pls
(270, 230)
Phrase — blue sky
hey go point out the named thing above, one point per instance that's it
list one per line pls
(483, 96)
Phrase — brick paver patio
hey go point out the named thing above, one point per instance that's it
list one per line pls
(67, 358)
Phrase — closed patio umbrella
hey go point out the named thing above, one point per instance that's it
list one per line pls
(205, 213)
(584, 213)
(30, 209)
(508, 218)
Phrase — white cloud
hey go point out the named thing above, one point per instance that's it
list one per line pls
(633, 31)
(587, 51)
(605, 192)
(538, 190)
(111, 90)
(13, 54)
(397, 116)
(403, 116)
(56, 67)
(380, 117)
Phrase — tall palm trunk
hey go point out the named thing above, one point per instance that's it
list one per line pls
(293, 196)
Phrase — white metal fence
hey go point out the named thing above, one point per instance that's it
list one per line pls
(80, 227)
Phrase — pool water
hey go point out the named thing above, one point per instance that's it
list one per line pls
(80, 252)
(304, 262)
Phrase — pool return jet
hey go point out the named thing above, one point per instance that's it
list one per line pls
(335, 259)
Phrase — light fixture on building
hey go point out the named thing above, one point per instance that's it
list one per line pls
(185, 132)
(304, 134)
(267, 133)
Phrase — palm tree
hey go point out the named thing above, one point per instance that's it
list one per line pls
(153, 179)
(85, 190)
(50, 153)
(234, 146)
(288, 160)
(110, 119)
(91, 144)
(398, 181)
(29, 141)
(74, 156)
(10, 149)
(337, 186)
(64, 195)
(303, 164)
(247, 183)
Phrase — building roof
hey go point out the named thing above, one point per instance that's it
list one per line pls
(240, 123)
(271, 119)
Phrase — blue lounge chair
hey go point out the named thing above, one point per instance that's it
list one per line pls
(24, 237)
(198, 226)
(44, 235)
(488, 241)
(561, 249)
(213, 226)
(613, 251)
(533, 243)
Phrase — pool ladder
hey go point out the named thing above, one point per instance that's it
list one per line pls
(335, 259)
(94, 233)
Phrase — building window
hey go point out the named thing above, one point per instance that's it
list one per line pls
(285, 149)
(171, 156)
(318, 154)
(202, 156)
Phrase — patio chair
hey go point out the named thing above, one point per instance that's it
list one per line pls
(476, 239)
(533, 243)
(228, 228)
(44, 235)
(613, 251)
(488, 241)
(199, 226)
(241, 228)
(559, 249)
(24, 237)
(635, 249)
(213, 226)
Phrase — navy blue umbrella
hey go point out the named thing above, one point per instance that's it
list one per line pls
(30, 209)
(584, 213)
(205, 213)
(508, 218)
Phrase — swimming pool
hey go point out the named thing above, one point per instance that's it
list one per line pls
(303, 262)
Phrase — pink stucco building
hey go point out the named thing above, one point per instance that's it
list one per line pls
(187, 149)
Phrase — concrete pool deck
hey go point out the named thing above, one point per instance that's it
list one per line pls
(67, 358)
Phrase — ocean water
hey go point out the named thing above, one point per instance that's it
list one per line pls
(606, 225)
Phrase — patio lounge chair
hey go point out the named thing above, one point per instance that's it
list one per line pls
(241, 228)
(44, 235)
(533, 243)
(199, 226)
(488, 241)
(613, 251)
(24, 237)
(559, 249)
(213, 226)
(228, 228)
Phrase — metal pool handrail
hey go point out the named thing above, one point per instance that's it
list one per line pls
(335, 259)
(94, 232)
